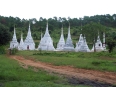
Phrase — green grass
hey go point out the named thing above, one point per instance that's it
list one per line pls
(13, 75)
(102, 61)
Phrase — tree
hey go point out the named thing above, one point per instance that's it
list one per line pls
(91, 31)
(111, 43)
(4, 35)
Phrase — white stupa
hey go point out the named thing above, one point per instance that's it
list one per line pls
(69, 45)
(21, 44)
(61, 43)
(84, 47)
(14, 43)
(104, 44)
(79, 43)
(46, 42)
(28, 42)
(98, 45)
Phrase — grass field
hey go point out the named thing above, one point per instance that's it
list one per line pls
(13, 75)
(102, 61)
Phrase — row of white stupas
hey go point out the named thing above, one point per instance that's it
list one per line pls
(46, 43)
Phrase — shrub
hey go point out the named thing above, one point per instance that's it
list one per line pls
(2, 50)
(13, 51)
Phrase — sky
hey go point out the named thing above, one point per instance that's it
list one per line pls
(28, 9)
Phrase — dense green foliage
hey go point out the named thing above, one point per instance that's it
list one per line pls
(91, 31)
(4, 34)
(2, 50)
(111, 42)
(98, 61)
(13, 75)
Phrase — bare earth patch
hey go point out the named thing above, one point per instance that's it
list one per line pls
(68, 71)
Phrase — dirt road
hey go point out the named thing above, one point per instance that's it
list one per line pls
(93, 75)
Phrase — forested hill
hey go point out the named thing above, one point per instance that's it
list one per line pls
(90, 26)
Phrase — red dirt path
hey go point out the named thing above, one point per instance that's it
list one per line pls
(105, 77)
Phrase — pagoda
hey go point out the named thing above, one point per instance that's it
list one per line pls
(84, 47)
(61, 43)
(98, 45)
(46, 42)
(14, 43)
(28, 42)
(21, 44)
(69, 45)
(79, 43)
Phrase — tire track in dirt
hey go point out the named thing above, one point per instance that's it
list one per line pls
(68, 71)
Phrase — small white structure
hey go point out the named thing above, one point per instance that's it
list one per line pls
(14, 43)
(79, 43)
(46, 42)
(84, 47)
(104, 44)
(21, 44)
(61, 43)
(98, 45)
(69, 45)
(29, 43)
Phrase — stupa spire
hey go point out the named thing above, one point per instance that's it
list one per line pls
(29, 26)
(98, 36)
(29, 31)
(69, 36)
(21, 37)
(103, 37)
(62, 30)
(14, 35)
(47, 26)
(47, 31)
(104, 45)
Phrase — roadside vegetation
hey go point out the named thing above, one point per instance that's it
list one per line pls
(13, 75)
(102, 61)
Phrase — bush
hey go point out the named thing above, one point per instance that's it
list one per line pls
(13, 51)
(4, 34)
(2, 50)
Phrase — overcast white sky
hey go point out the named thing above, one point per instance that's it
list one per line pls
(60, 8)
